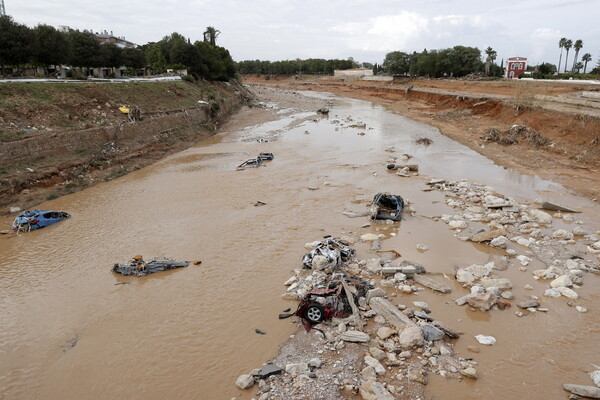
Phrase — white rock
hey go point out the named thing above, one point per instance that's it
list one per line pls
(369, 237)
(541, 216)
(500, 242)
(297, 368)
(581, 309)
(319, 263)
(500, 283)
(354, 336)
(315, 362)
(458, 224)
(245, 381)
(312, 245)
(289, 282)
(411, 337)
(422, 247)
(372, 390)
(385, 332)
(552, 293)
(568, 293)
(14, 209)
(524, 260)
(371, 362)
(595, 246)
(562, 281)
(486, 340)
(595, 375)
(420, 304)
(464, 276)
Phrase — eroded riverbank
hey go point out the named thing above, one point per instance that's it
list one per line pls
(191, 332)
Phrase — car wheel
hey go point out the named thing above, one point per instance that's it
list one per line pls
(314, 313)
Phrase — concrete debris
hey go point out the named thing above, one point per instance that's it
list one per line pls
(547, 205)
(590, 392)
(431, 283)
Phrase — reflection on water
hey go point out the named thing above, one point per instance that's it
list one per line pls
(189, 333)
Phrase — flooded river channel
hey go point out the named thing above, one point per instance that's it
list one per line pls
(70, 329)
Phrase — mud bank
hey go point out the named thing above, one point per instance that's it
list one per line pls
(52, 161)
(464, 111)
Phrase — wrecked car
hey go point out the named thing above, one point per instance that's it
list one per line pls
(137, 266)
(334, 253)
(36, 219)
(251, 163)
(387, 206)
(324, 303)
(266, 156)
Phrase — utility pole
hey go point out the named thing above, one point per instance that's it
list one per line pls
(2, 9)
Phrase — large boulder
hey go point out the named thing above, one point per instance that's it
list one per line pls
(372, 390)
(540, 216)
(584, 391)
(245, 381)
(411, 337)
(562, 281)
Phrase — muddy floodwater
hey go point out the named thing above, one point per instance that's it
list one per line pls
(70, 329)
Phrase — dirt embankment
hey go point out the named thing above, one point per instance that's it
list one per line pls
(465, 111)
(59, 138)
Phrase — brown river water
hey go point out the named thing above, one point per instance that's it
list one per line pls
(68, 331)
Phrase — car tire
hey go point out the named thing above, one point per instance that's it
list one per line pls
(314, 313)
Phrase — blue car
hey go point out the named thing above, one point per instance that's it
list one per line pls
(36, 219)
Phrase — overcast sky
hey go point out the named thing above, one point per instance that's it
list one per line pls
(363, 29)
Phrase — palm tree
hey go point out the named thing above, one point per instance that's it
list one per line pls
(568, 45)
(561, 45)
(210, 35)
(577, 67)
(585, 58)
(577, 46)
(491, 56)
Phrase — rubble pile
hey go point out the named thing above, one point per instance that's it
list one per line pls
(375, 348)
(524, 233)
(514, 135)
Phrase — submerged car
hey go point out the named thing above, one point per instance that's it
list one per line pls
(137, 266)
(251, 163)
(387, 206)
(36, 219)
(266, 156)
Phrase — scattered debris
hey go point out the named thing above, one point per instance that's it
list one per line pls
(514, 135)
(323, 111)
(36, 219)
(424, 141)
(260, 332)
(546, 205)
(486, 340)
(328, 253)
(137, 266)
(259, 204)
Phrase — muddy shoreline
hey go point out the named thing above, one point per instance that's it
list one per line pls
(52, 164)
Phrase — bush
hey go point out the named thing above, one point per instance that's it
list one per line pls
(188, 78)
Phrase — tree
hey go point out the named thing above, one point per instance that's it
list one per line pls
(84, 49)
(491, 56)
(16, 43)
(51, 47)
(586, 58)
(568, 45)
(577, 67)
(396, 63)
(210, 35)
(561, 45)
(577, 46)
(133, 58)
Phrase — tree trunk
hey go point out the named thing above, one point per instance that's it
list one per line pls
(566, 60)
(559, 61)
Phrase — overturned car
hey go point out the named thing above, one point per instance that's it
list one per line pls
(37, 219)
(387, 206)
(137, 266)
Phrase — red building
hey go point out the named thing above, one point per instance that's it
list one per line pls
(515, 67)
